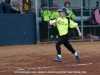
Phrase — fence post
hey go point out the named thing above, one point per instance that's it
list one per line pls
(37, 21)
(82, 28)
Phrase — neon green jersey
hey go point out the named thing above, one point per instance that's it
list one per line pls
(71, 14)
(62, 26)
(54, 15)
(45, 14)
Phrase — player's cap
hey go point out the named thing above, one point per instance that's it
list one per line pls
(55, 5)
(66, 2)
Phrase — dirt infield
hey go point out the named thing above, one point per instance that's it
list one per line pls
(38, 60)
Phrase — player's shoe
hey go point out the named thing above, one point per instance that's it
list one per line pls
(57, 59)
(78, 56)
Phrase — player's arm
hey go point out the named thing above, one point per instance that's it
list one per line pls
(79, 32)
(52, 22)
(75, 25)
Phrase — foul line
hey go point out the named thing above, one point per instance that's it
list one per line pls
(72, 65)
(39, 68)
(47, 67)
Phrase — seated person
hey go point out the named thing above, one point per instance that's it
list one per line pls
(7, 1)
(4, 7)
(16, 6)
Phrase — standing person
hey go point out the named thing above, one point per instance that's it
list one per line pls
(45, 14)
(4, 7)
(62, 26)
(71, 15)
(17, 6)
(54, 15)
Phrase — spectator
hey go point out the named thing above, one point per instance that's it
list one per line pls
(16, 6)
(54, 15)
(43, 3)
(70, 16)
(45, 14)
(4, 7)
(7, 1)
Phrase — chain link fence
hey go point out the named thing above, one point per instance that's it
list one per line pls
(82, 9)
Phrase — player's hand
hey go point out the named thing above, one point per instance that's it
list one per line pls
(57, 20)
(17, 10)
(80, 34)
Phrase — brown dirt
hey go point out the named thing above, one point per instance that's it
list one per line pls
(38, 60)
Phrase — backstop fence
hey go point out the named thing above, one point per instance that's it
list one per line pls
(82, 9)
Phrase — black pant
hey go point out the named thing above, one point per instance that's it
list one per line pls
(14, 11)
(64, 40)
(54, 31)
(44, 30)
(5, 7)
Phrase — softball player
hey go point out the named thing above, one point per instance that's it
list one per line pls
(62, 26)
